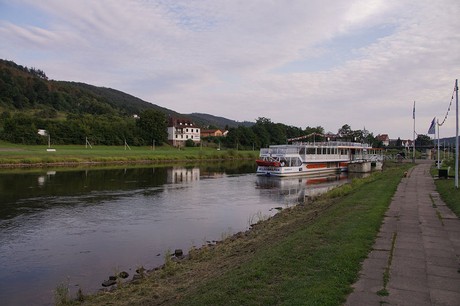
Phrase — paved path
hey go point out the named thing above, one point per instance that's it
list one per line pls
(418, 244)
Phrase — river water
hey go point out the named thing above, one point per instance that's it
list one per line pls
(78, 226)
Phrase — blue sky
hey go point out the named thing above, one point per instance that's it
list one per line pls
(303, 63)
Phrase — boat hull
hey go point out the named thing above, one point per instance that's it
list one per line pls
(305, 169)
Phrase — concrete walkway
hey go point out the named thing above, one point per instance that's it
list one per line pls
(416, 257)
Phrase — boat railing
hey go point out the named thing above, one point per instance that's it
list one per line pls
(334, 144)
(295, 147)
(279, 151)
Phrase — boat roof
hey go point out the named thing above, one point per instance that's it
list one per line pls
(337, 144)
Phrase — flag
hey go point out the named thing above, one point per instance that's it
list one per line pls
(413, 112)
(432, 129)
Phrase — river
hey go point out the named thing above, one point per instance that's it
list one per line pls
(77, 226)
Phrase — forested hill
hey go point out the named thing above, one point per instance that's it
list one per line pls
(28, 89)
(220, 122)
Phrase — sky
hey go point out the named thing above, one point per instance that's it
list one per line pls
(299, 62)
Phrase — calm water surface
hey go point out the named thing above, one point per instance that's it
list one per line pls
(79, 226)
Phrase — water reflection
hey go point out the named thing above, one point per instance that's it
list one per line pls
(182, 175)
(293, 190)
(80, 225)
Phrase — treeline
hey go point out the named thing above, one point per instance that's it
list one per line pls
(265, 133)
(100, 129)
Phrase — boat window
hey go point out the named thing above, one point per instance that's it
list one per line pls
(311, 151)
(295, 162)
(302, 151)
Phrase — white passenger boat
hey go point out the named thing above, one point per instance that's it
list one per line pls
(317, 157)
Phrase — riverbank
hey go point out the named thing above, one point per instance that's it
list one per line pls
(15, 156)
(309, 252)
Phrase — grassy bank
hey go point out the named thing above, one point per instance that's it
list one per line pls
(446, 187)
(449, 194)
(20, 155)
(305, 255)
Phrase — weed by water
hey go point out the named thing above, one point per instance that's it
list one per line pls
(226, 234)
(170, 267)
(256, 218)
(80, 295)
(61, 294)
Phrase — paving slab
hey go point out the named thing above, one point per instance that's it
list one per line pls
(406, 298)
(425, 265)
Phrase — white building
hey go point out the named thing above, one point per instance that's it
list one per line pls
(180, 130)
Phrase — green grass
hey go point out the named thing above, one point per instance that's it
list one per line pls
(449, 194)
(29, 155)
(446, 187)
(314, 265)
(305, 255)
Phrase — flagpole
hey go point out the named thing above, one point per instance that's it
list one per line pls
(437, 123)
(413, 144)
(456, 134)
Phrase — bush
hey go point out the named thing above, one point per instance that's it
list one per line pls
(189, 143)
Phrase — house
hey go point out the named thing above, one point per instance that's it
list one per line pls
(384, 139)
(407, 143)
(208, 133)
(180, 130)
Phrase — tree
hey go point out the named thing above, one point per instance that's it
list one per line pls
(189, 143)
(317, 132)
(423, 140)
(346, 132)
(153, 126)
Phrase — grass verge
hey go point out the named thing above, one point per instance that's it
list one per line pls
(309, 254)
(21, 155)
(449, 194)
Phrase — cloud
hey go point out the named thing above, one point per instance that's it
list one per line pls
(308, 63)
